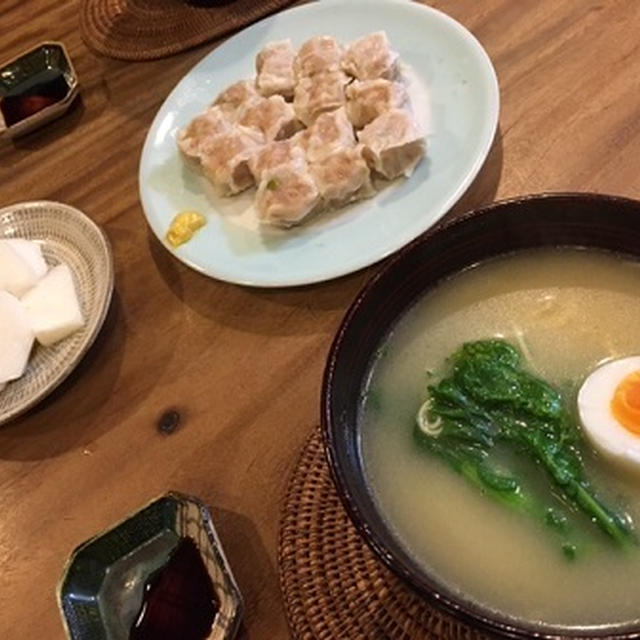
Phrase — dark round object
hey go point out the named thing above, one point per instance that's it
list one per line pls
(576, 220)
(169, 422)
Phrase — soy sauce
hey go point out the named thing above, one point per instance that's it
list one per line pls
(44, 89)
(179, 601)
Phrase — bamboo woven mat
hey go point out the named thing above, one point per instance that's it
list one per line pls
(333, 586)
(149, 29)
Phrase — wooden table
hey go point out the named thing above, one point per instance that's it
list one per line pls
(243, 367)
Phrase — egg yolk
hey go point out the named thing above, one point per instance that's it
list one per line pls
(625, 404)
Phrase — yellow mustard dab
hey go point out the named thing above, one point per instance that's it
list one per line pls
(183, 226)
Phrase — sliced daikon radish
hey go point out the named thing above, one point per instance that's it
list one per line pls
(30, 252)
(16, 338)
(17, 276)
(53, 307)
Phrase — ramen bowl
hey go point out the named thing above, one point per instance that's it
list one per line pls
(567, 222)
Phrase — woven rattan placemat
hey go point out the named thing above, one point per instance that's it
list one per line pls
(333, 586)
(148, 29)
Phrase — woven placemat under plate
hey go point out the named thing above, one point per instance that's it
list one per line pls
(333, 586)
(148, 29)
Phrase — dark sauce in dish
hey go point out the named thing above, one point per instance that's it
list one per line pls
(44, 89)
(179, 601)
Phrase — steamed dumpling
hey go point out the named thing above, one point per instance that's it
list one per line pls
(286, 195)
(275, 154)
(321, 54)
(225, 160)
(237, 97)
(330, 132)
(393, 144)
(274, 117)
(368, 99)
(311, 130)
(323, 92)
(371, 57)
(343, 177)
(274, 65)
(201, 130)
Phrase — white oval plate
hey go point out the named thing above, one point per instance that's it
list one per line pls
(454, 92)
(65, 235)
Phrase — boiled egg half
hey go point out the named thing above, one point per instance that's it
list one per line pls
(609, 409)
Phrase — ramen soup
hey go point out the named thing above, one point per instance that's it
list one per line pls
(566, 311)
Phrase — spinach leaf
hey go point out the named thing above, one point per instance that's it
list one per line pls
(489, 399)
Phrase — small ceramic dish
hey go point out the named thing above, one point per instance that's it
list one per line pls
(102, 587)
(35, 88)
(65, 235)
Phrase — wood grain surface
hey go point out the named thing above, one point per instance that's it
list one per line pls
(243, 367)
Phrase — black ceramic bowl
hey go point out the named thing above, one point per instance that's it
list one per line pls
(579, 220)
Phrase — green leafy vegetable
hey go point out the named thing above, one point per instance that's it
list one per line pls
(489, 399)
